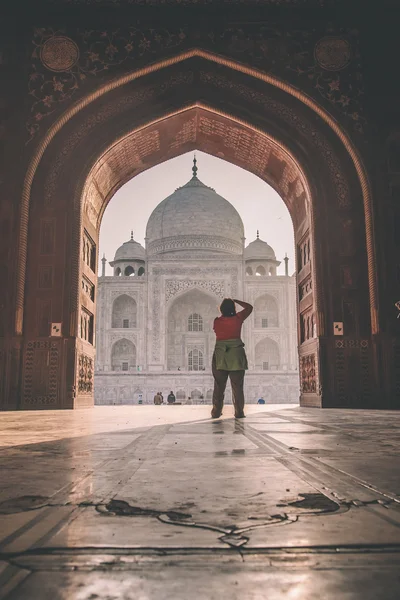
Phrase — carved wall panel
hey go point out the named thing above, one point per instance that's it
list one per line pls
(88, 251)
(175, 286)
(259, 336)
(126, 334)
(88, 288)
(41, 376)
(86, 325)
(305, 288)
(85, 374)
(131, 293)
(308, 374)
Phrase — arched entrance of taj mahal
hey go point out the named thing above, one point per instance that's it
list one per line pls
(188, 101)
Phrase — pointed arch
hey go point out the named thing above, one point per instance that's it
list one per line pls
(266, 312)
(124, 312)
(163, 64)
(123, 355)
(267, 355)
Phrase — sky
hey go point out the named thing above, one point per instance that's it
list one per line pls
(257, 203)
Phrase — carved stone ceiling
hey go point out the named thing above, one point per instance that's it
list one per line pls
(199, 128)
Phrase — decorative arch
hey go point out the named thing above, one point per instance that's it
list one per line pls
(129, 271)
(118, 82)
(267, 355)
(123, 355)
(187, 312)
(266, 312)
(260, 271)
(290, 163)
(178, 288)
(124, 312)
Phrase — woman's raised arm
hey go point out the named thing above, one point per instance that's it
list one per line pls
(248, 308)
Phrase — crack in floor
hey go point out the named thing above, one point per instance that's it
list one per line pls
(232, 535)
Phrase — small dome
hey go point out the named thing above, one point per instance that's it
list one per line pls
(130, 250)
(259, 250)
(195, 218)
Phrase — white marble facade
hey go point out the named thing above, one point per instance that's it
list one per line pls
(155, 314)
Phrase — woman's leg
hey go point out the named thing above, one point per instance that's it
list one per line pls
(237, 381)
(220, 379)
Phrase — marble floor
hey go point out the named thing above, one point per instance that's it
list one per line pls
(152, 503)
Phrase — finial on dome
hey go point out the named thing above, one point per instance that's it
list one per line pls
(194, 168)
(258, 234)
(132, 234)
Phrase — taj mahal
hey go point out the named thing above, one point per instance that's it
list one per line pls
(155, 313)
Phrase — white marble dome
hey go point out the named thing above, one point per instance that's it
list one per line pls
(130, 250)
(259, 250)
(194, 218)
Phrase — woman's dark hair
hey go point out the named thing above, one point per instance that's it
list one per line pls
(227, 308)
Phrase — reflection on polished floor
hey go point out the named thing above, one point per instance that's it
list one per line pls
(146, 502)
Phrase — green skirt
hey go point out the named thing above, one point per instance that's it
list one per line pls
(230, 355)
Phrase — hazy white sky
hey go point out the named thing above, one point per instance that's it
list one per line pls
(257, 203)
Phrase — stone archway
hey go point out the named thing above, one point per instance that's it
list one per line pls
(266, 312)
(124, 311)
(189, 330)
(267, 355)
(266, 127)
(123, 355)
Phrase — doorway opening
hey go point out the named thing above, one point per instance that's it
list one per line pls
(269, 129)
(199, 227)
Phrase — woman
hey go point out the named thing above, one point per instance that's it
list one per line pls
(229, 358)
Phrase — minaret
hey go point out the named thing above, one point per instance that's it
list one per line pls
(286, 265)
(103, 267)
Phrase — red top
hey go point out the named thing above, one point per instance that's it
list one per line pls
(229, 328)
